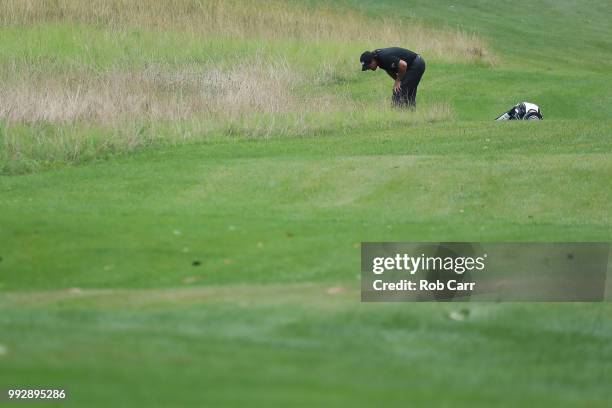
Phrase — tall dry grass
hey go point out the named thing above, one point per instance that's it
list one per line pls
(269, 19)
(76, 110)
(34, 90)
(156, 92)
(30, 147)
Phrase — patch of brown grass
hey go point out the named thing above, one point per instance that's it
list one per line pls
(154, 93)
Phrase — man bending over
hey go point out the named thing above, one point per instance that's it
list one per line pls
(404, 66)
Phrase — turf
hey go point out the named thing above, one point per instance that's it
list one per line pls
(298, 345)
(225, 272)
(293, 212)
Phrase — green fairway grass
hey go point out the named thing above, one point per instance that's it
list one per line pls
(150, 257)
(299, 345)
(293, 212)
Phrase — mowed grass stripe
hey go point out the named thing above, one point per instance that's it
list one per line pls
(286, 220)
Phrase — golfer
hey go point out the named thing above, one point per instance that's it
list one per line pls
(404, 66)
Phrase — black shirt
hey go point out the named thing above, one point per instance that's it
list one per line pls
(389, 58)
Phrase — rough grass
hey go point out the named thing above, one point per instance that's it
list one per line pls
(102, 76)
(157, 92)
(35, 146)
(270, 20)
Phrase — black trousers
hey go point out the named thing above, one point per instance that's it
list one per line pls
(406, 97)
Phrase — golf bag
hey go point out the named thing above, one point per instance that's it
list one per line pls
(522, 111)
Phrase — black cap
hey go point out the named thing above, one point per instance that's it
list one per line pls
(365, 60)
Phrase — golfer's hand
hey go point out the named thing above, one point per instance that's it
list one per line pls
(397, 87)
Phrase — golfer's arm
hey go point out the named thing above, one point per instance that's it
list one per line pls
(401, 70)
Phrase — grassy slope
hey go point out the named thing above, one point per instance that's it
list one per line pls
(553, 36)
(555, 53)
(267, 205)
(274, 224)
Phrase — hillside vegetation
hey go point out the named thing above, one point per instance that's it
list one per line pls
(185, 186)
(81, 79)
